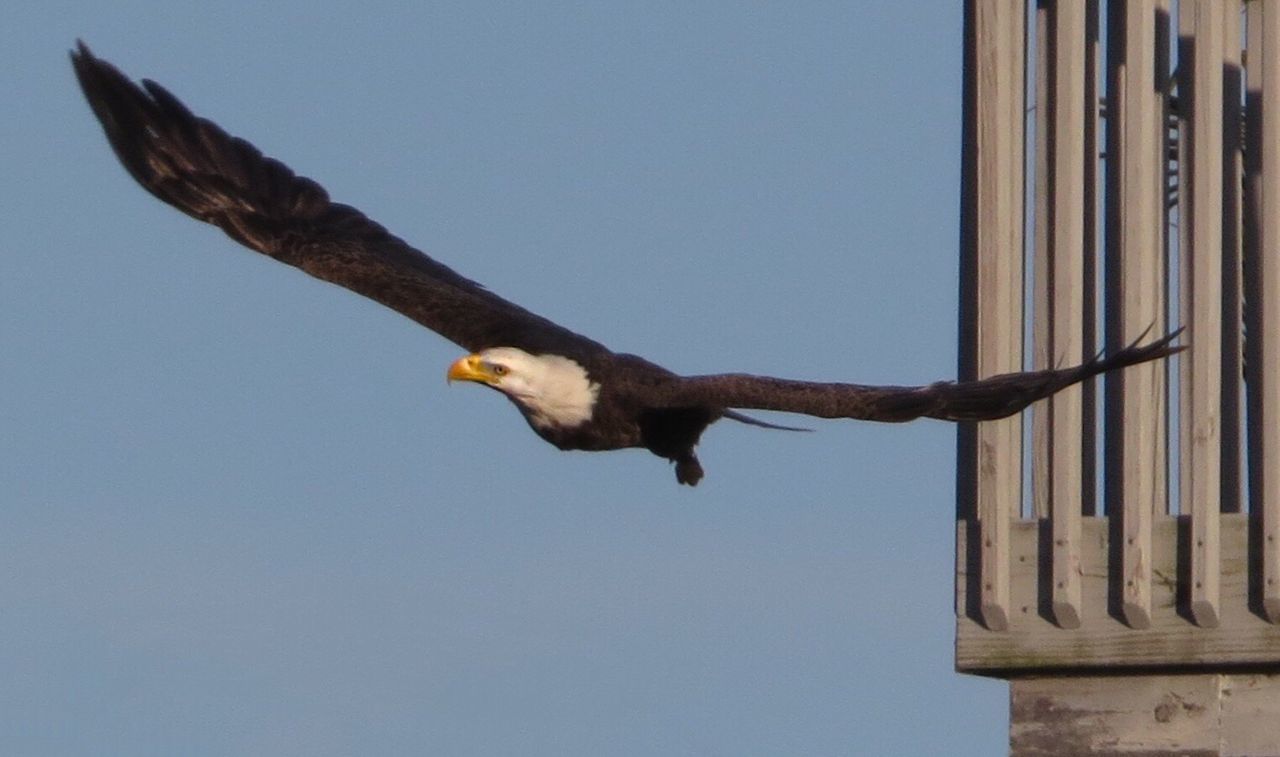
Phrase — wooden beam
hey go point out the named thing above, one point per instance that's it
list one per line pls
(1041, 279)
(1263, 372)
(1145, 716)
(1092, 193)
(1200, 114)
(1066, 296)
(993, 274)
(1135, 283)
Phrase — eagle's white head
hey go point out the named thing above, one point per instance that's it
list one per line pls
(552, 389)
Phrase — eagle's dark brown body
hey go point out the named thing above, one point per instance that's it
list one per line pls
(192, 164)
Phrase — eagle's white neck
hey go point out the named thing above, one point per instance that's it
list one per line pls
(553, 390)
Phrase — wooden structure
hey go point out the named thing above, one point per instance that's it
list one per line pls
(1121, 176)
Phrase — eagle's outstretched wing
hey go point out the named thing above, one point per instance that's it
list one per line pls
(195, 166)
(982, 400)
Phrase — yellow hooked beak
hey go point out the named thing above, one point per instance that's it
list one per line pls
(470, 368)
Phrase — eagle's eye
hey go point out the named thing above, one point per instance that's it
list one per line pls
(499, 369)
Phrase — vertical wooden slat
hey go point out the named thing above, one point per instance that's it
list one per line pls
(995, 269)
(1066, 295)
(1135, 405)
(1000, 300)
(1163, 86)
(1264, 371)
(1041, 342)
(1200, 108)
(1088, 322)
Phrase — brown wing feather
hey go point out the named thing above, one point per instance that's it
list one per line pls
(985, 399)
(195, 166)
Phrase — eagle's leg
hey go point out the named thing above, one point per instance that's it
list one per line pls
(688, 469)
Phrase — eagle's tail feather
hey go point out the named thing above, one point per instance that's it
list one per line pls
(733, 415)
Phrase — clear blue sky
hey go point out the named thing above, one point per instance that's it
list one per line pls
(243, 513)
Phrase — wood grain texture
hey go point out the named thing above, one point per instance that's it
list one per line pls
(1200, 105)
(1041, 281)
(1264, 406)
(1143, 716)
(1135, 283)
(1066, 298)
(996, 28)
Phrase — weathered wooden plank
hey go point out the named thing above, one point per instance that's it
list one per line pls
(1136, 715)
(1264, 372)
(1135, 397)
(1092, 194)
(997, 27)
(1262, 281)
(1163, 86)
(1066, 295)
(1145, 716)
(1041, 280)
(1200, 114)
(1033, 643)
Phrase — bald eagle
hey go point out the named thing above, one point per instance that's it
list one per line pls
(574, 392)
